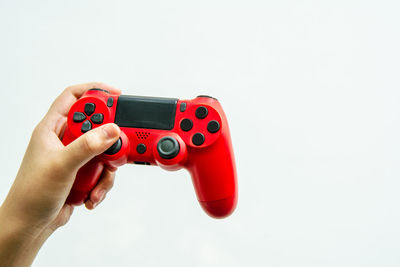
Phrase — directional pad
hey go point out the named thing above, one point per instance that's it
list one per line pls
(97, 118)
(89, 108)
(78, 117)
(86, 126)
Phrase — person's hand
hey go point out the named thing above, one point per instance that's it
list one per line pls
(35, 205)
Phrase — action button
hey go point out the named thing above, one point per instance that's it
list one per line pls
(78, 117)
(201, 112)
(114, 148)
(98, 89)
(168, 147)
(86, 126)
(89, 108)
(110, 102)
(198, 139)
(213, 126)
(97, 118)
(186, 125)
(141, 148)
(182, 108)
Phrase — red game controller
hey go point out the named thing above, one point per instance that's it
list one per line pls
(172, 133)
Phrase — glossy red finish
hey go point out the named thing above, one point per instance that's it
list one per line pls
(211, 165)
(220, 208)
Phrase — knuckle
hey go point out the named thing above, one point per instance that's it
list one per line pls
(102, 198)
(37, 131)
(97, 85)
(111, 183)
(108, 183)
(69, 88)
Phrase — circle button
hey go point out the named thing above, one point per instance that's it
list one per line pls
(213, 126)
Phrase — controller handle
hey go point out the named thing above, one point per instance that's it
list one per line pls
(89, 174)
(214, 177)
(86, 179)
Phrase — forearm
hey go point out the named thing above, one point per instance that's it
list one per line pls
(18, 245)
(35, 206)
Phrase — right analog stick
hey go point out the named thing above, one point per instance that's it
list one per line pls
(168, 147)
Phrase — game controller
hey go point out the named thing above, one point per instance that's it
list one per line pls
(168, 132)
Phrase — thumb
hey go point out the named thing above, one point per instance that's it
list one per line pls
(91, 144)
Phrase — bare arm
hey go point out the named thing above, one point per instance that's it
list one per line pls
(35, 205)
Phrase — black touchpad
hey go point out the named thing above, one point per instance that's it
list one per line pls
(146, 112)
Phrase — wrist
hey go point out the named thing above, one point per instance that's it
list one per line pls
(19, 243)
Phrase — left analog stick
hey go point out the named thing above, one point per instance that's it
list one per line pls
(114, 148)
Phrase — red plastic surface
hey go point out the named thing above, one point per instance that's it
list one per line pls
(211, 165)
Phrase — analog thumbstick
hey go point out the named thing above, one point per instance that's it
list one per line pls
(168, 147)
(114, 148)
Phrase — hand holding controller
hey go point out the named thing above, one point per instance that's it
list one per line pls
(172, 133)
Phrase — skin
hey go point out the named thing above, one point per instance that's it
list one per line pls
(35, 205)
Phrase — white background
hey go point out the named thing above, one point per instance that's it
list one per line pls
(311, 90)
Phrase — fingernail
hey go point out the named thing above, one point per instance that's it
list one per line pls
(111, 130)
(87, 204)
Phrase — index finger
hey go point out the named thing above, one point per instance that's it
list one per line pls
(64, 101)
(68, 97)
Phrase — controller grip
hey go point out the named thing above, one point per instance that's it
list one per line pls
(215, 180)
(86, 179)
(216, 190)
